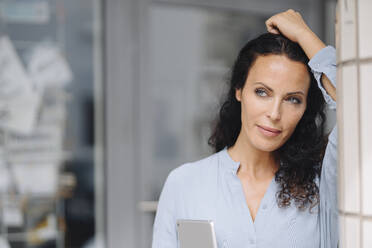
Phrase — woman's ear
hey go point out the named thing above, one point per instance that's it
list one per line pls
(238, 94)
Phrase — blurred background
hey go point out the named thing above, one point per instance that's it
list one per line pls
(99, 100)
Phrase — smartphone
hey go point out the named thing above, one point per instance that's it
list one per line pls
(196, 234)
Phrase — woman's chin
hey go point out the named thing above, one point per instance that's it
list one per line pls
(266, 146)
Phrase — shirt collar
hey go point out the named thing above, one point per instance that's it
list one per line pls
(229, 165)
(227, 162)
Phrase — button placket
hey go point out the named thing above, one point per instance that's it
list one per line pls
(252, 241)
(225, 244)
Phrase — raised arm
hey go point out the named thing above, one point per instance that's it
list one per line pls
(323, 65)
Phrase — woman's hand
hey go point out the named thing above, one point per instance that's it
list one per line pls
(288, 23)
(291, 25)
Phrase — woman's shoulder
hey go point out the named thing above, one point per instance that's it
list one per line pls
(196, 171)
(194, 168)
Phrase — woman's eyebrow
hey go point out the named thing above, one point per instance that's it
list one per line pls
(289, 93)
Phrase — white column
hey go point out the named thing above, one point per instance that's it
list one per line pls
(354, 94)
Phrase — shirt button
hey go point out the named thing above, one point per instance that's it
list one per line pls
(251, 241)
(225, 244)
(264, 206)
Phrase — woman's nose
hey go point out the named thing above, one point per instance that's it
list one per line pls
(274, 112)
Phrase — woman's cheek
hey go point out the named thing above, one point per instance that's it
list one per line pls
(294, 119)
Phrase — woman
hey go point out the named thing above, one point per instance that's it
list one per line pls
(269, 184)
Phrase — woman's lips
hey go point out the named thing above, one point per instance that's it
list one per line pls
(267, 131)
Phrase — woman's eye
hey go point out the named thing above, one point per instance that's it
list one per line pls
(294, 100)
(260, 92)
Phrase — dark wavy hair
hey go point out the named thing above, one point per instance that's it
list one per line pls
(302, 154)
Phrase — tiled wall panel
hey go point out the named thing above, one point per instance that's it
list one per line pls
(367, 234)
(350, 122)
(366, 135)
(347, 29)
(354, 98)
(365, 30)
(352, 232)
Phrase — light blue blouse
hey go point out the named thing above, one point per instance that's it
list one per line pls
(209, 189)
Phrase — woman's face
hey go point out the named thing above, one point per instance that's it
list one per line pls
(273, 101)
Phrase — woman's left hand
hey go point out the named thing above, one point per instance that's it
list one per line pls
(289, 24)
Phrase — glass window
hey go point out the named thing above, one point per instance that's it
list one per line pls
(50, 80)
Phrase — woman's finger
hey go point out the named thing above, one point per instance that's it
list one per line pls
(288, 23)
(271, 26)
(273, 30)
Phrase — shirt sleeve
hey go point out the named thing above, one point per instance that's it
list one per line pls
(325, 62)
(164, 229)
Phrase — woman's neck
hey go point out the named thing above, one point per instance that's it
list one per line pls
(254, 163)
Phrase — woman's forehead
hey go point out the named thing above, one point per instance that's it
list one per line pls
(278, 71)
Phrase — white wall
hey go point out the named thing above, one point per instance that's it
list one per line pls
(353, 41)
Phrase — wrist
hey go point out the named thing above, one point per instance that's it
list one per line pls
(310, 43)
(305, 33)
